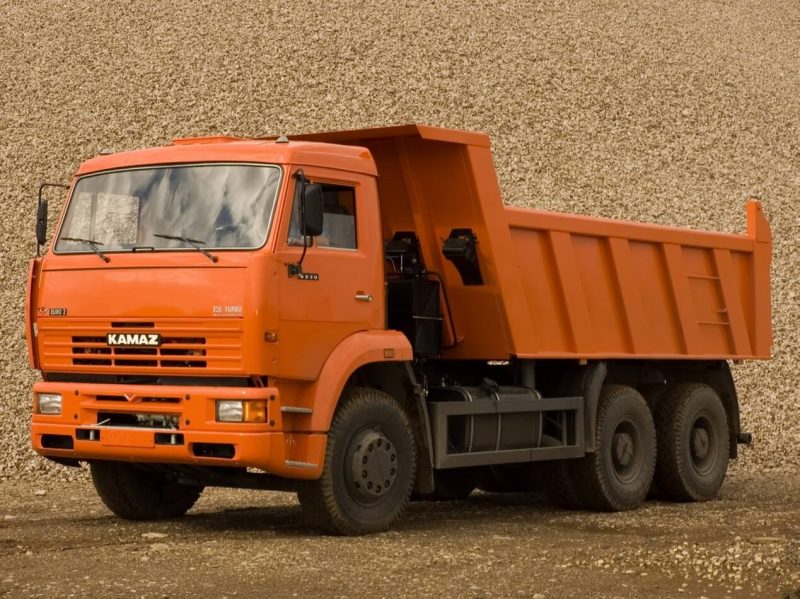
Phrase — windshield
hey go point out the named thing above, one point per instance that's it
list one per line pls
(214, 206)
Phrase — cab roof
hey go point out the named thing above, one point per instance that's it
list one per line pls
(337, 149)
(238, 150)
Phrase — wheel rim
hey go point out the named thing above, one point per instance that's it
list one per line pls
(626, 454)
(703, 444)
(372, 457)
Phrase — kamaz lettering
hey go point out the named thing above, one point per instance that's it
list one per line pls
(134, 339)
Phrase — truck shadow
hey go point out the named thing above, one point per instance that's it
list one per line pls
(479, 506)
(284, 520)
(288, 520)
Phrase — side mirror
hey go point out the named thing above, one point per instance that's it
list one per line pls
(312, 210)
(41, 222)
(41, 215)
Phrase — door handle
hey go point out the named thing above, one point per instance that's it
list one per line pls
(363, 297)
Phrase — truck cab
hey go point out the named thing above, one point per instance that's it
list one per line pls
(164, 282)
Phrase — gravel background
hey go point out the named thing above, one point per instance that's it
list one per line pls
(671, 113)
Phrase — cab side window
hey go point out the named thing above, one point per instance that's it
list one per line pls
(339, 220)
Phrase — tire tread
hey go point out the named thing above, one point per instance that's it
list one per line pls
(670, 476)
(129, 494)
(318, 498)
(588, 476)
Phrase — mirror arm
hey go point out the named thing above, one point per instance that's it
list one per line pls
(38, 208)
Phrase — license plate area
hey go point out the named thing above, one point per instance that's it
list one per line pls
(127, 438)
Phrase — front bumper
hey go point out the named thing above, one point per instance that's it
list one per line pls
(80, 433)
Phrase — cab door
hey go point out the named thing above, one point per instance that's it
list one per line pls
(340, 290)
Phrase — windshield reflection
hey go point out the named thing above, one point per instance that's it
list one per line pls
(218, 206)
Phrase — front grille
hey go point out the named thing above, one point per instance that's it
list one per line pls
(88, 346)
(210, 346)
(177, 352)
(174, 352)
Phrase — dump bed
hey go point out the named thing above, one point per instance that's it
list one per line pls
(566, 286)
(618, 289)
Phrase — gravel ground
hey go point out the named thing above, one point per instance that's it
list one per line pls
(56, 538)
(662, 112)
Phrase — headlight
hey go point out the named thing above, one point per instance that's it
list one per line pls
(229, 410)
(48, 403)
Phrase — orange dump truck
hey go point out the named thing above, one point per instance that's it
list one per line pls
(356, 317)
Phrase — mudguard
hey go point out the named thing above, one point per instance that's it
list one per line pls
(355, 351)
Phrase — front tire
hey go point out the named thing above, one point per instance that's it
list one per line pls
(693, 443)
(370, 465)
(136, 494)
(617, 476)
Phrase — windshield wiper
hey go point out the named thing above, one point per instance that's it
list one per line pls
(92, 244)
(192, 242)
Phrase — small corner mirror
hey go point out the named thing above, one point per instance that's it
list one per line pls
(41, 222)
(312, 209)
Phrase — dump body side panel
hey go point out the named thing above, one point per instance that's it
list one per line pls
(602, 288)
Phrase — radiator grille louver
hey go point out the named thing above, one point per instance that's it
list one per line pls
(174, 352)
(186, 345)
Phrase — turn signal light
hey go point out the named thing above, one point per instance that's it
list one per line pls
(241, 411)
(255, 411)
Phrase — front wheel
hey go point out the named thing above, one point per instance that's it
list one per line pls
(370, 464)
(618, 474)
(136, 494)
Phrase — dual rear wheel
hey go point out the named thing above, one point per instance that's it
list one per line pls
(618, 474)
(693, 443)
(681, 445)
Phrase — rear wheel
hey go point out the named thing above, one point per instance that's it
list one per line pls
(618, 474)
(370, 464)
(136, 494)
(693, 443)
